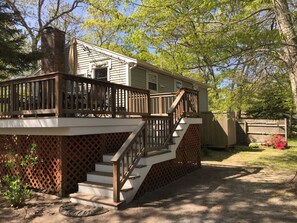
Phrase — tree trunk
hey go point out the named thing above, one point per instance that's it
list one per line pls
(34, 48)
(286, 29)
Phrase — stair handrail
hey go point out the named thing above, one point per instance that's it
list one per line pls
(177, 111)
(132, 154)
(180, 108)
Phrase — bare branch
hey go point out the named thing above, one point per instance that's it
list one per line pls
(20, 17)
(74, 5)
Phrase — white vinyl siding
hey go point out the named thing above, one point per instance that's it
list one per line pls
(166, 83)
(118, 72)
(177, 84)
(187, 85)
(203, 100)
(138, 78)
(152, 81)
(88, 59)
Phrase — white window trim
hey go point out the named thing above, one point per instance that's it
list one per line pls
(175, 81)
(93, 72)
(97, 65)
(147, 81)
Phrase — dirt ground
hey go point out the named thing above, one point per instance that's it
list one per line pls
(213, 193)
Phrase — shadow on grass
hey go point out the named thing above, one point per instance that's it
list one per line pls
(285, 159)
(213, 154)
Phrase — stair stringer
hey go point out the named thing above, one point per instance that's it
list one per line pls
(151, 160)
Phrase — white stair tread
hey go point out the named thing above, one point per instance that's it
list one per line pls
(108, 174)
(95, 199)
(103, 185)
(156, 153)
(110, 164)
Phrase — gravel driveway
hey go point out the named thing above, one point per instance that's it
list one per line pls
(213, 193)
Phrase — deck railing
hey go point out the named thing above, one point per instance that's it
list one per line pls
(161, 102)
(153, 133)
(68, 95)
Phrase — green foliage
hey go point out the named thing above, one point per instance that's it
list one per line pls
(13, 58)
(272, 100)
(230, 45)
(16, 191)
(254, 145)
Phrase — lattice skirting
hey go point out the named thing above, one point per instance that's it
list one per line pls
(63, 161)
(187, 160)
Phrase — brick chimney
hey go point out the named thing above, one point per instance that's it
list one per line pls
(52, 45)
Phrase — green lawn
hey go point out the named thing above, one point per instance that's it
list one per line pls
(283, 160)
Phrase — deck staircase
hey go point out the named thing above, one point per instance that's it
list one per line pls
(117, 179)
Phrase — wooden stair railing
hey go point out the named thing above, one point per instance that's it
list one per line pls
(126, 159)
(153, 133)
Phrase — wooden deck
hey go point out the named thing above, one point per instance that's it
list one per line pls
(64, 95)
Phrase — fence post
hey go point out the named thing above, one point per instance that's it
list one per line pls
(286, 129)
(245, 127)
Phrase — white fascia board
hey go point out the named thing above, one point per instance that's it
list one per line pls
(108, 52)
(66, 126)
(55, 122)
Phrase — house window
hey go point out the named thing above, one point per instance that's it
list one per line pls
(177, 85)
(152, 82)
(101, 73)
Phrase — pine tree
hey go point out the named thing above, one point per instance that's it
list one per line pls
(13, 58)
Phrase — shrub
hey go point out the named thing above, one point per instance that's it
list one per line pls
(276, 141)
(15, 189)
(254, 145)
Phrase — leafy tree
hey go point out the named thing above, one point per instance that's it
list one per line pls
(13, 58)
(272, 100)
(230, 45)
(287, 30)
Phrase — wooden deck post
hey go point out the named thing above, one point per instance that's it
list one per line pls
(12, 99)
(286, 129)
(113, 101)
(59, 95)
(160, 105)
(145, 136)
(148, 101)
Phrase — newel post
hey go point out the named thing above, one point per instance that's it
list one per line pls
(145, 136)
(185, 102)
(170, 115)
(116, 182)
